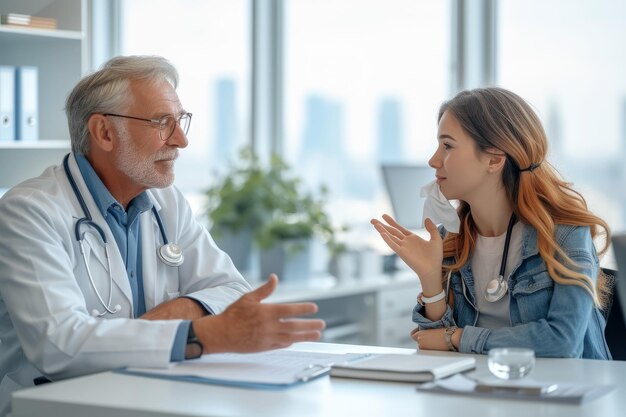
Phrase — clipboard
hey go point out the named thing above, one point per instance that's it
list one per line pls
(561, 392)
(266, 370)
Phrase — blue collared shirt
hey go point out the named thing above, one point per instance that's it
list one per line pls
(124, 225)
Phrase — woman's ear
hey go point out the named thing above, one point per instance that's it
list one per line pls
(100, 130)
(495, 160)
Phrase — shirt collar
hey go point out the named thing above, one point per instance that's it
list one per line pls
(101, 194)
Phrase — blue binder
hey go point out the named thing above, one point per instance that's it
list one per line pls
(27, 103)
(7, 103)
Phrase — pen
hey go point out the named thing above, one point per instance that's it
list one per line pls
(518, 389)
(312, 371)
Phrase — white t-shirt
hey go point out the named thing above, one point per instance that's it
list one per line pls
(486, 266)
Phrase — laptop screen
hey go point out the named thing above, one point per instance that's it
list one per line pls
(403, 183)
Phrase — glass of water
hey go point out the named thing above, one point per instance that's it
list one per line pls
(511, 363)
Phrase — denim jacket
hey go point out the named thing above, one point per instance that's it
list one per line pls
(554, 320)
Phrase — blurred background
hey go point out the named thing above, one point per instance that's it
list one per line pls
(355, 84)
(340, 88)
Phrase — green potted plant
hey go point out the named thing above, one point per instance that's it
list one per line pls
(266, 206)
(297, 218)
(238, 204)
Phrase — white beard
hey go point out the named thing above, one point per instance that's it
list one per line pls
(142, 170)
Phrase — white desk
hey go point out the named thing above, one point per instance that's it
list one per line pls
(111, 395)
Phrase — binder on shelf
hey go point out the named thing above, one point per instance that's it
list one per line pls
(26, 103)
(7, 103)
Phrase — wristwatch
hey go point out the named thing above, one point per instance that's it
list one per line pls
(448, 337)
(194, 348)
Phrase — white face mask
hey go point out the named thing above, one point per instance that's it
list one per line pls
(439, 209)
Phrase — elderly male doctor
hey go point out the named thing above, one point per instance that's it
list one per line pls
(158, 290)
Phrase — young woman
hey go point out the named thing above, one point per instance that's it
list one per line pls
(522, 271)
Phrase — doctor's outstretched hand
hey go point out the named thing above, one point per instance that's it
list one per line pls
(422, 256)
(248, 325)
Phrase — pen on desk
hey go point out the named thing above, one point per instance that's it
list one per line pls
(519, 389)
(312, 371)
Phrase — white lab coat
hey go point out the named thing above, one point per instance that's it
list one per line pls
(46, 298)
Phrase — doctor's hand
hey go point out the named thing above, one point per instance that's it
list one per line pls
(248, 325)
(422, 256)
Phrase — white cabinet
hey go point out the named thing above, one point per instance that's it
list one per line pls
(61, 57)
(394, 308)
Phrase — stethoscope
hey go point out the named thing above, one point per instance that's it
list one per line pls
(497, 287)
(169, 253)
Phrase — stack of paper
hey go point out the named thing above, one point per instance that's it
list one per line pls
(274, 369)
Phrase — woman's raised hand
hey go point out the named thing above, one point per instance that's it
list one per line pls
(422, 256)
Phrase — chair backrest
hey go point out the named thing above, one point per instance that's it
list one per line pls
(613, 311)
(619, 249)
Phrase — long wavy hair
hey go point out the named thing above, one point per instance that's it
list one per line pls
(497, 118)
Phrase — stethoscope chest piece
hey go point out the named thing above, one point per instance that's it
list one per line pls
(171, 254)
(496, 289)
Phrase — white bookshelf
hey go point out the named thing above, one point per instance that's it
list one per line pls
(61, 56)
(17, 34)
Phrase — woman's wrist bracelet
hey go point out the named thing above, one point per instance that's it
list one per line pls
(429, 300)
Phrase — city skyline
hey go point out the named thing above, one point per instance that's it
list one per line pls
(322, 158)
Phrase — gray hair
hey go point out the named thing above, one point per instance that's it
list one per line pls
(106, 91)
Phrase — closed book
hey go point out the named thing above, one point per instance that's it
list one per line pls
(403, 368)
(20, 20)
(27, 103)
(15, 17)
(25, 18)
(28, 26)
(7, 103)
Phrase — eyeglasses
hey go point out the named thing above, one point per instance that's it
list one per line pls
(166, 124)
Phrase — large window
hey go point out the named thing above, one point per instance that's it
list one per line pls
(363, 83)
(208, 42)
(568, 59)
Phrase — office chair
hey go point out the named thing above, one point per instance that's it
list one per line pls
(615, 331)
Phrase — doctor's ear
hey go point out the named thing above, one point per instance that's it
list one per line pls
(101, 132)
